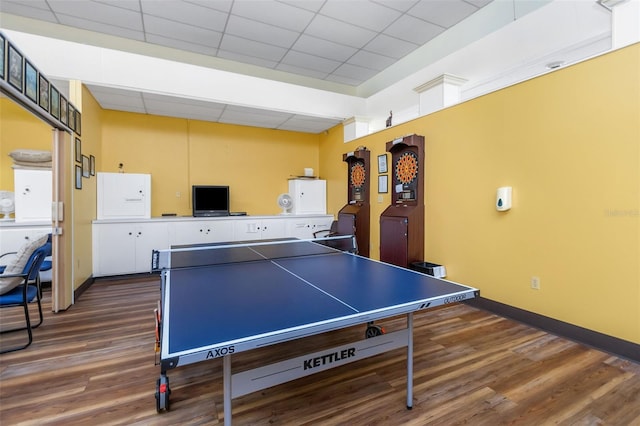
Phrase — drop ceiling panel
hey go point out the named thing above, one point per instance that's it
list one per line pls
(100, 27)
(36, 10)
(183, 45)
(413, 30)
(375, 18)
(390, 46)
(371, 60)
(303, 60)
(444, 13)
(256, 49)
(324, 48)
(182, 32)
(252, 60)
(274, 13)
(252, 30)
(98, 12)
(124, 4)
(187, 13)
(339, 32)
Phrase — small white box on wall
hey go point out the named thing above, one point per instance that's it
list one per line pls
(503, 198)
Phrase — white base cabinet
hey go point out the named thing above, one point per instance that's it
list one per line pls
(124, 247)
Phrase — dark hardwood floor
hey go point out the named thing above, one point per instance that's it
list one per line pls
(94, 365)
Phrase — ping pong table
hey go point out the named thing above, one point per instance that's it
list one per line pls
(222, 299)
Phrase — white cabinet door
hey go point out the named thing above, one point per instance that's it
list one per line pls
(12, 238)
(114, 249)
(304, 227)
(309, 196)
(125, 248)
(33, 189)
(149, 237)
(201, 231)
(274, 228)
(247, 229)
(124, 196)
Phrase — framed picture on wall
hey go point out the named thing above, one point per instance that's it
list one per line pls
(78, 176)
(383, 184)
(71, 122)
(2, 57)
(382, 163)
(78, 150)
(92, 165)
(30, 81)
(64, 107)
(78, 123)
(44, 93)
(54, 96)
(85, 166)
(15, 68)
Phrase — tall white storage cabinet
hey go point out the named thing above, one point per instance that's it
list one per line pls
(124, 196)
(33, 195)
(309, 196)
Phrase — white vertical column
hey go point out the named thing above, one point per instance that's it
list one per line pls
(439, 93)
(354, 128)
(625, 23)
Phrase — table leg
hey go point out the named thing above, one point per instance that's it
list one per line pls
(226, 383)
(410, 361)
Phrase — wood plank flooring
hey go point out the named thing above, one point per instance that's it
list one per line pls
(94, 365)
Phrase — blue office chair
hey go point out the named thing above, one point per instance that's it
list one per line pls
(25, 293)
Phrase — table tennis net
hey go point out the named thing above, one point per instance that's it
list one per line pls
(225, 253)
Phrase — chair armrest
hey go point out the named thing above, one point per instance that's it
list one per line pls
(13, 275)
(8, 253)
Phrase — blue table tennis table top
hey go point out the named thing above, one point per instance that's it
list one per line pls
(265, 295)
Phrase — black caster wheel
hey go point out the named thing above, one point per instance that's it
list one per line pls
(373, 331)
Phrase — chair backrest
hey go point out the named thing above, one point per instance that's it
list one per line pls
(32, 268)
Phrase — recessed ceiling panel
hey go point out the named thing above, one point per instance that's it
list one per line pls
(187, 13)
(252, 30)
(274, 13)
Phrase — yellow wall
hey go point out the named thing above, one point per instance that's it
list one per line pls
(84, 200)
(19, 129)
(178, 153)
(569, 145)
(567, 142)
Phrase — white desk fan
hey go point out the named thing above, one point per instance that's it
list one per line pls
(285, 202)
(7, 204)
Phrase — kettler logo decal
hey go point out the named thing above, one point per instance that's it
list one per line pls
(453, 299)
(218, 352)
(329, 358)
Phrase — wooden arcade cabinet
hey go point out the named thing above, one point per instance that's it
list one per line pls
(353, 218)
(402, 223)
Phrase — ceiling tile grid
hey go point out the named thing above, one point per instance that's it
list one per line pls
(349, 42)
(320, 39)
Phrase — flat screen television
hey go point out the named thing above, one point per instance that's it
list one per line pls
(210, 200)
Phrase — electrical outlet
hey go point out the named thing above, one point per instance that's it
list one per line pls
(535, 283)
